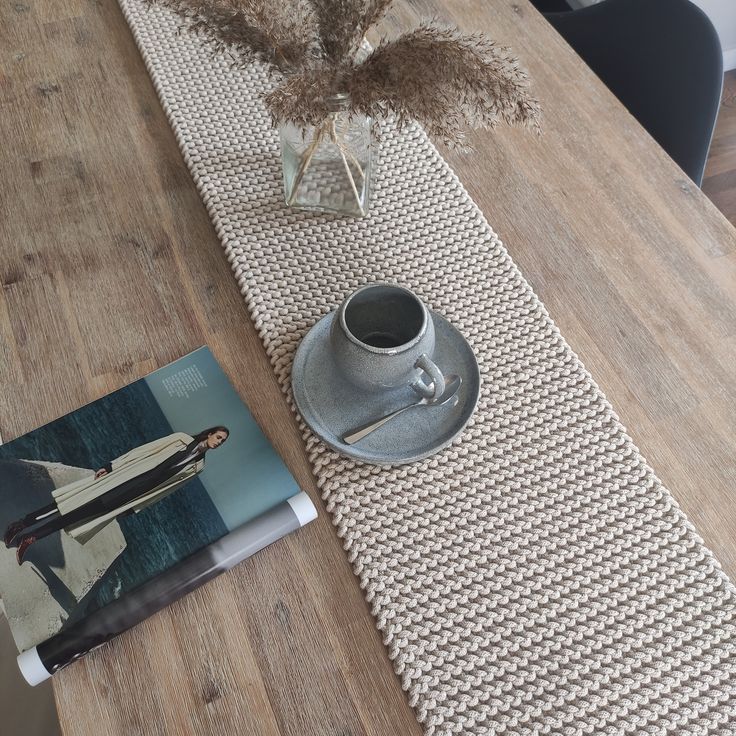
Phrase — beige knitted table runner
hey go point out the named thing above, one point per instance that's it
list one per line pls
(535, 577)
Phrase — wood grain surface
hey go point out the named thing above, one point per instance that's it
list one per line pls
(110, 269)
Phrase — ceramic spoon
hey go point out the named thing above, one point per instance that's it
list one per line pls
(452, 386)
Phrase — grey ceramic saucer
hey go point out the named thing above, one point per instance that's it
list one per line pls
(332, 406)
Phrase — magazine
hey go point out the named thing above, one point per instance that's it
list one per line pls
(121, 507)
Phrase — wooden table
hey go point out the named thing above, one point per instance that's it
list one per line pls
(110, 268)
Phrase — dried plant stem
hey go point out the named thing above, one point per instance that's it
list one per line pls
(329, 127)
(340, 147)
(346, 149)
(306, 160)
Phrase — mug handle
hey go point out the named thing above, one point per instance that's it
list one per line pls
(437, 386)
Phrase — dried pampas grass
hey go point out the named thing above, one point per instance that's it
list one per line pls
(282, 33)
(445, 79)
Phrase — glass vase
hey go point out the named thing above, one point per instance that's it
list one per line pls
(328, 168)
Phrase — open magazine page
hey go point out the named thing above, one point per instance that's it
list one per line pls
(100, 502)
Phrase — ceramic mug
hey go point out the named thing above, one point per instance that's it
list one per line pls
(382, 337)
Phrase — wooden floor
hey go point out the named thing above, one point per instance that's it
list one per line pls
(719, 183)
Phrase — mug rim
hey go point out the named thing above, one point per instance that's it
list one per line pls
(384, 351)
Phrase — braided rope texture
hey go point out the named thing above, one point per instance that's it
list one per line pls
(532, 578)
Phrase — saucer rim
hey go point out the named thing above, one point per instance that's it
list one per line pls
(344, 449)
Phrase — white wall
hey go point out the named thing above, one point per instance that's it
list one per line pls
(722, 14)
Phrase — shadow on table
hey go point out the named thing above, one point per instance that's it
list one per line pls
(23, 488)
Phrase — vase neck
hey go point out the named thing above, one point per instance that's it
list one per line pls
(339, 102)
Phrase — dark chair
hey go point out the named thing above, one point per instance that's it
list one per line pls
(663, 60)
(550, 6)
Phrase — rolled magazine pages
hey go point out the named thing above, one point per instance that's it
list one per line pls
(42, 661)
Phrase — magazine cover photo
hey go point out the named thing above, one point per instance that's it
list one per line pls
(96, 503)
